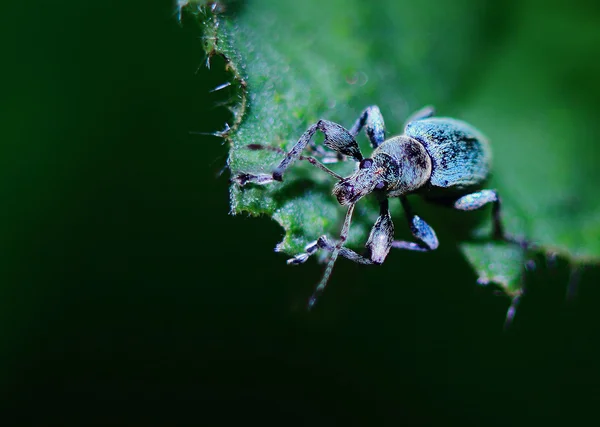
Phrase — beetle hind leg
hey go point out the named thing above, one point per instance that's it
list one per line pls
(479, 199)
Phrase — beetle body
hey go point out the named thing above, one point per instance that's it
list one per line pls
(435, 155)
(460, 154)
(444, 159)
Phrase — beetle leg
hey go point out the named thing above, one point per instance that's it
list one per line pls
(479, 199)
(337, 138)
(423, 113)
(243, 178)
(324, 243)
(381, 239)
(382, 234)
(427, 240)
(378, 245)
(309, 249)
(372, 120)
(334, 255)
(324, 155)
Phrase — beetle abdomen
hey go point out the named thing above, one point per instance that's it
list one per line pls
(460, 154)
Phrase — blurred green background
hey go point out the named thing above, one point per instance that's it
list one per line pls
(129, 294)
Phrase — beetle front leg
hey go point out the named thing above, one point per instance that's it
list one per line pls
(337, 138)
(378, 245)
(264, 178)
(479, 199)
(324, 243)
(427, 240)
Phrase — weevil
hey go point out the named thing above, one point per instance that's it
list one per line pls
(445, 160)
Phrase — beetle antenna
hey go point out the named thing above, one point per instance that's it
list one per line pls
(334, 254)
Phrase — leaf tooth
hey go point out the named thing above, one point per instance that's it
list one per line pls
(220, 87)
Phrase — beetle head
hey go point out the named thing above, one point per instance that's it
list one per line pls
(362, 182)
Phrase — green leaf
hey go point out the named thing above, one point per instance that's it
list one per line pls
(293, 63)
(496, 263)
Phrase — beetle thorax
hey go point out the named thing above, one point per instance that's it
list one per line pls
(403, 163)
(399, 166)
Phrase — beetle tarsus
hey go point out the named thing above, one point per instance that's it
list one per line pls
(512, 311)
(298, 259)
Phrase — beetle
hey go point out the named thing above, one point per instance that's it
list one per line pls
(445, 160)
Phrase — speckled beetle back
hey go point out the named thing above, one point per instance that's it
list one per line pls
(460, 154)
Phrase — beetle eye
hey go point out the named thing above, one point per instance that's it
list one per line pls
(380, 185)
(365, 163)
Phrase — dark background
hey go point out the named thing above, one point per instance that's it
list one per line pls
(129, 295)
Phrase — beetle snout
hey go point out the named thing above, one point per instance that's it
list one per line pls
(344, 192)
